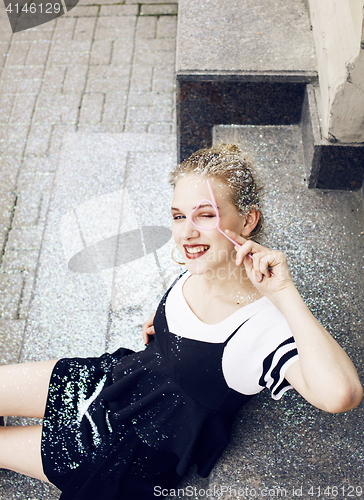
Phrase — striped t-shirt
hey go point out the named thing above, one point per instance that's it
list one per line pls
(256, 356)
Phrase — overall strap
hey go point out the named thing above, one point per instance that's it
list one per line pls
(234, 332)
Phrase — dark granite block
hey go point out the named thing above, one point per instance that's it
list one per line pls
(203, 104)
(332, 165)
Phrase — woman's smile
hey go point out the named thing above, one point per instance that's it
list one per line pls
(195, 251)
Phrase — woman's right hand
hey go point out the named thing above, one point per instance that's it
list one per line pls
(148, 329)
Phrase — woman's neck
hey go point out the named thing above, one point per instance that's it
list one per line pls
(227, 284)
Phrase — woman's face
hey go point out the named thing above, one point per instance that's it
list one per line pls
(204, 250)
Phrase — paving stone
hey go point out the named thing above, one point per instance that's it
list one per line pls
(20, 260)
(5, 30)
(159, 128)
(32, 166)
(11, 287)
(83, 11)
(53, 79)
(164, 79)
(17, 80)
(114, 108)
(38, 53)
(23, 73)
(85, 27)
(115, 27)
(99, 2)
(150, 1)
(154, 58)
(105, 127)
(9, 170)
(122, 52)
(65, 53)
(18, 53)
(158, 10)
(25, 239)
(141, 78)
(3, 236)
(11, 334)
(136, 99)
(75, 80)
(20, 86)
(60, 108)
(108, 78)
(157, 44)
(6, 105)
(29, 278)
(91, 108)
(13, 139)
(4, 49)
(146, 27)
(167, 27)
(38, 140)
(43, 32)
(27, 209)
(149, 114)
(7, 202)
(34, 181)
(31, 209)
(64, 29)
(119, 10)
(58, 131)
(101, 52)
(23, 109)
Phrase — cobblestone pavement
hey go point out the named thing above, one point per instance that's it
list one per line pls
(104, 67)
(101, 68)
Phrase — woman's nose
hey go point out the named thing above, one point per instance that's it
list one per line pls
(189, 230)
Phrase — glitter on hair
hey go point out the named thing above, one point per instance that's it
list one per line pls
(230, 164)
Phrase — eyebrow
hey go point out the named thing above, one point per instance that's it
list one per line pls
(201, 206)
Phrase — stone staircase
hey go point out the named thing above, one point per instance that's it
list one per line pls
(254, 63)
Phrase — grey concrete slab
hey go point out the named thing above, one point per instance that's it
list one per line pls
(139, 285)
(290, 444)
(244, 37)
(11, 334)
(70, 312)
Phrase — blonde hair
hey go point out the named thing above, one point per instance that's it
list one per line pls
(230, 164)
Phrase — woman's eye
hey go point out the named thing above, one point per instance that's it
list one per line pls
(208, 216)
(178, 217)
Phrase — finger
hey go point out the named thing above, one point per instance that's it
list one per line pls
(264, 265)
(256, 258)
(145, 338)
(150, 330)
(243, 251)
(235, 236)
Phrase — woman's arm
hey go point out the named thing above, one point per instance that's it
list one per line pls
(324, 374)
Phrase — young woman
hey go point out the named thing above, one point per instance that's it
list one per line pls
(118, 426)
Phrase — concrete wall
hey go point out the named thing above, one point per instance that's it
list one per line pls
(338, 34)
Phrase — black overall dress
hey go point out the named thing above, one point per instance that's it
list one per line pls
(118, 425)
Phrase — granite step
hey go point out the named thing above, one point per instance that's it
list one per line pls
(244, 62)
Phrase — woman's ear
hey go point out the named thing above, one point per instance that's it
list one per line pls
(250, 222)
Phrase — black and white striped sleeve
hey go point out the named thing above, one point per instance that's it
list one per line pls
(275, 366)
(259, 354)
